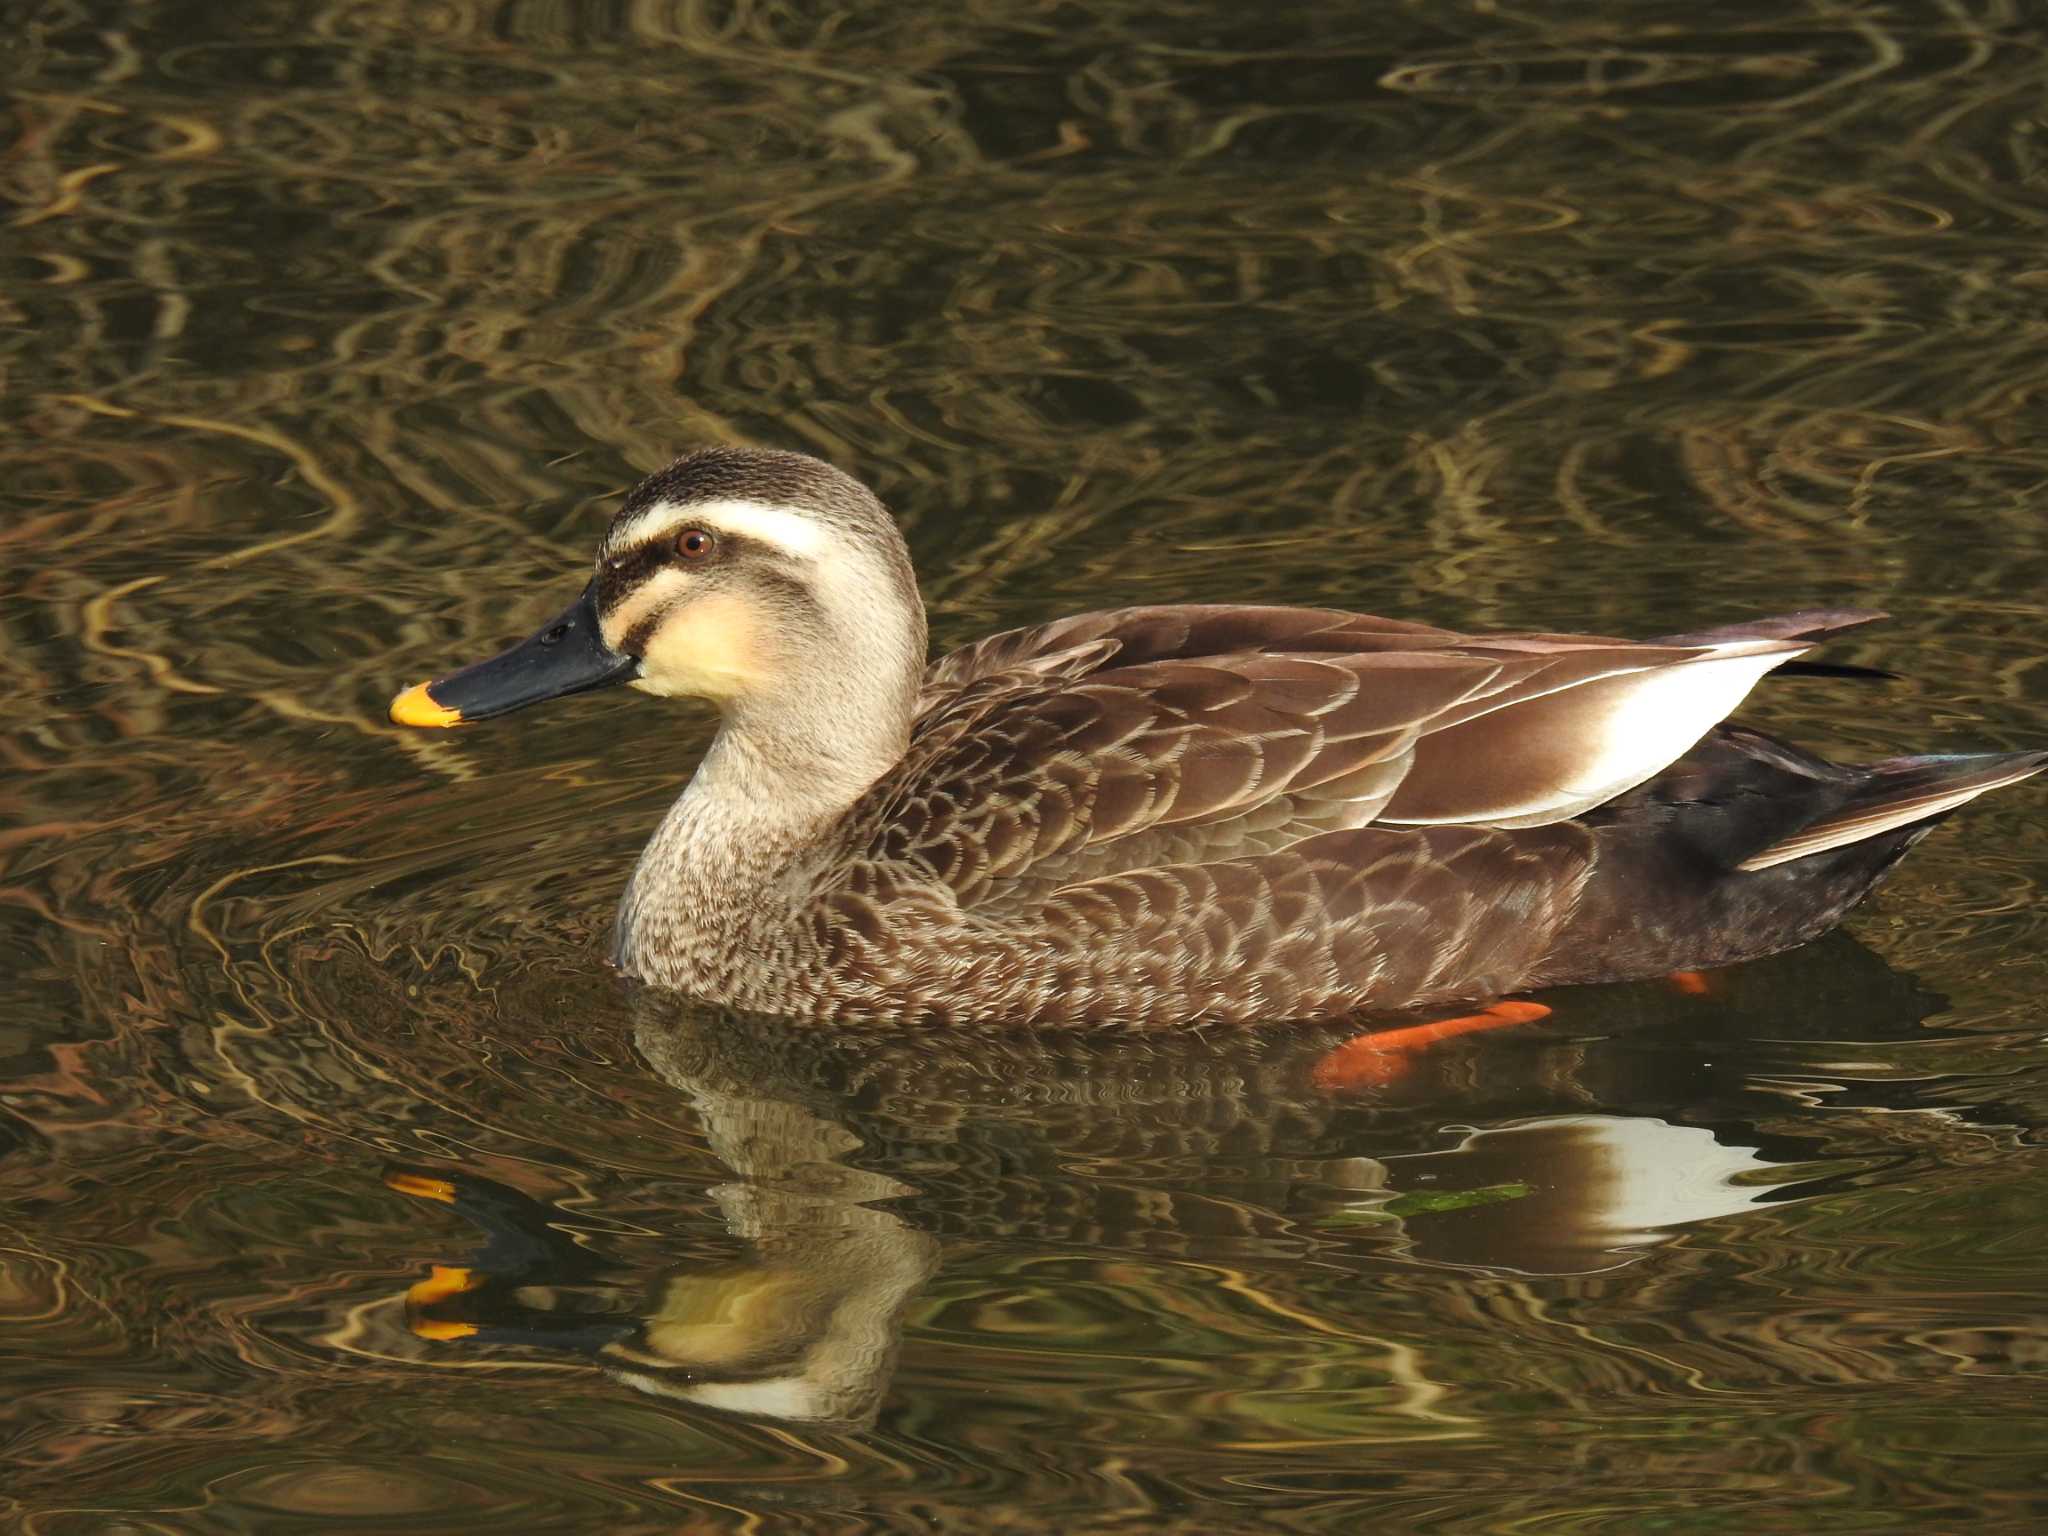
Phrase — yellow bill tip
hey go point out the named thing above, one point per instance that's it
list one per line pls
(443, 1281)
(440, 1332)
(421, 1185)
(416, 706)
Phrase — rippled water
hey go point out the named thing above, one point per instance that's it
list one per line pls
(340, 1182)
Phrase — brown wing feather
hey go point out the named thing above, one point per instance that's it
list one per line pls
(1166, 633)
(1047, 781)
(1125, 740)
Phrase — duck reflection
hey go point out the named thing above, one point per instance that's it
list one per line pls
(803, 1330)
(1569, 1194)
(854, 1158)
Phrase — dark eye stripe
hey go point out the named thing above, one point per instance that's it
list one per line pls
(620, 573)
(635, 642)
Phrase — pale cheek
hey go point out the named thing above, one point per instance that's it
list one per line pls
(709, 649)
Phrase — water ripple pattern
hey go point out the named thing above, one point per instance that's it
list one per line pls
(341, 1185)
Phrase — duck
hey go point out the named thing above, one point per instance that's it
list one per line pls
(1177, 814)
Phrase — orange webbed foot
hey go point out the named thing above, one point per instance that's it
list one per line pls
(1384, 1056)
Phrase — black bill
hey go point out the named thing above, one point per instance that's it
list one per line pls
(566, 656)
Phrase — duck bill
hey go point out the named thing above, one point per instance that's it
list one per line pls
(566, 656)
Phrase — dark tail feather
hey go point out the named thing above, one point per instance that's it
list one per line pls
(1899, 793)
(1834, 669)
(1747, 846)
(1807, 624)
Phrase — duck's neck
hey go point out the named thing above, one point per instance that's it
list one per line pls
(734, 860)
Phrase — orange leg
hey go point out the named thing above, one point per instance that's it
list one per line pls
(1379, 1058)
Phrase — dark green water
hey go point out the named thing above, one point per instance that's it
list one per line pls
(341, 1187)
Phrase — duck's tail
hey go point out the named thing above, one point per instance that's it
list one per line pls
(1900, 792)
(1747, 846)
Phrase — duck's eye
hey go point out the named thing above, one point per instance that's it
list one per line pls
(695, 544)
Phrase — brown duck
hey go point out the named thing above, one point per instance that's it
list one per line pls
(1177, 814)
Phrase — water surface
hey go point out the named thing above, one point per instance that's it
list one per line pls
(341, 1185)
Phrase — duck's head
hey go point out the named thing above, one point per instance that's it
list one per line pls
(768, 583)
